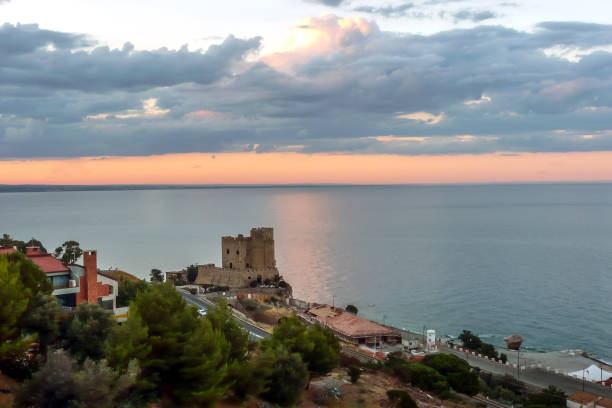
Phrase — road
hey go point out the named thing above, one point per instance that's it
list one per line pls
(534, 376)
(254, 332)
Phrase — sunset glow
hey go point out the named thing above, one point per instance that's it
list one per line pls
(290, 168)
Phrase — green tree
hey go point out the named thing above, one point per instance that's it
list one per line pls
(318, 347)
(21, 283)
(427, 378)
(61, 383)
(156, 275)
(88, 331)
(192, 273)
(222, 320)
(503, 357)
(456, 371)
(14, 300)
(287, 375)
(470, 340)
(69, 252)
(488, 350)
(43, 318)
(352, 309)
(354, 372)
(128, 290)
(183, 359)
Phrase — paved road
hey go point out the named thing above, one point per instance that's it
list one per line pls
(534, 376)
(255, 332)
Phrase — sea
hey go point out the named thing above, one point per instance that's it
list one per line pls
(501, 259)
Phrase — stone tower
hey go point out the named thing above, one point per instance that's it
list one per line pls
(253, 252)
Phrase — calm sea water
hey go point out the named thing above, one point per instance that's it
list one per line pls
(496, 259)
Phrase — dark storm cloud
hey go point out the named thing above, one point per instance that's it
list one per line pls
(489, 89)
(27, 61)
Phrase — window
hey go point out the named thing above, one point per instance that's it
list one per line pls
(230, 265)
(227, 251)
(110, 289)
(237, 252)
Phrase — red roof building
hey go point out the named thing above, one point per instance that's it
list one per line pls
(352, 328)
(46, 262)
(6, 249)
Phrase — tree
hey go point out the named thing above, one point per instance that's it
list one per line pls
(88, 331)
(128, 290)
(318, 347)
(354, 372)
(488, 350)
(286, 373)
(192, 273)
(183, 359)
(352, 309)
(43, 318)
(470, 340)
(222, 320)
(427, 378)
(69, 252)
(456, 371)
(156, 275)
(14, 300)
(60, 383)
(21, 283)
(503, 357)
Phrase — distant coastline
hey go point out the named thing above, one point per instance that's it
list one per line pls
(37, 188)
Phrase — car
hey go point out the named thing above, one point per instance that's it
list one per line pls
(202, 312)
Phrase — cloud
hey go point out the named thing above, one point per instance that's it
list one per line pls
(474, 16)
(387, 11)
(337, 85)
(330, 3)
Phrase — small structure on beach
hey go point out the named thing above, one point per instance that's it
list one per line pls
(514, 341)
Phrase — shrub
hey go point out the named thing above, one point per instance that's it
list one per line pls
(456, 371)
(401, 399)
(354, 372)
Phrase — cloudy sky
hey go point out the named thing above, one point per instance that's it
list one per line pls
(287, 91)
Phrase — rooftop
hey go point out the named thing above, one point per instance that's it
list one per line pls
(48, 263)
(348, 323)
(582, 397)
(605, 402)
(6, 249)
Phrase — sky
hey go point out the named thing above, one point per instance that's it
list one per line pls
(305, 91)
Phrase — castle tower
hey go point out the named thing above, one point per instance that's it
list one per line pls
(255, 251)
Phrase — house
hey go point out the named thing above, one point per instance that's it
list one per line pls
(351, 328)
(6, 249)
(74, 284)
(581, 400)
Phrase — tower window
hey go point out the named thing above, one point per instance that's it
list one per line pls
(237, 252)
(230, 265)
(227, 251)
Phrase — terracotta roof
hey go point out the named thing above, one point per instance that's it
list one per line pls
(605, 402)
(6, 249)
(48, 263)
(348, 323)
(582, 397)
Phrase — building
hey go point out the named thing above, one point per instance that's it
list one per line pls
(74, 284)
(351, 328)
(581, 400)
(6, 249)
(244, 260)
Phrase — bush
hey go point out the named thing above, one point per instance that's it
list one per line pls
(401, 399)
(352, 309)
(286, 373)
(503, 357)
(456, 371)
(428, 379)
(354, 372)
